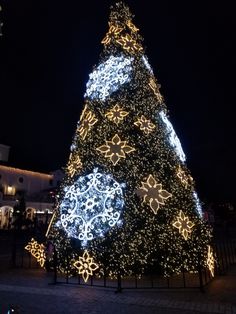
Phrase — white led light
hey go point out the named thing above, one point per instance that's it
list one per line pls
(173, 138)
(91, 206)
(108, 77)
(198, 204)
(147, 65)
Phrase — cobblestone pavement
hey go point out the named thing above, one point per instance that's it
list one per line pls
(31, 293)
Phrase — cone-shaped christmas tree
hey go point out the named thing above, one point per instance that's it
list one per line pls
(128, 203)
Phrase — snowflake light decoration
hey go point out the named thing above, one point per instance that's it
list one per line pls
(210, 261)
(87, 120)
(85, 265)
(145, 125)
(91, 206)
(198, 204)
(184, 178)
(155, 89)
(184, 225)
(74, 164)
(173, 138)
(152, 193)
(116, 114)
(108, 77)
(37, 250)
(129, 44)
(114, 30)
(132, 26)
(115, 149)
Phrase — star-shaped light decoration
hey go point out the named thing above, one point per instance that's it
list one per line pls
(74, 164)
(87, 120)
(184, 225)
(184, 178)
(129, 44)
(85, 265)
(152, 193)
(115, 149)
(145, 125)
(37, 250)
(116, 114)
(114, 30)
(210, 261)
(132, 26)
(155, 89)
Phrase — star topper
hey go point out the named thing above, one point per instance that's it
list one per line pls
(145, 125)
(37, 250)
(184, 225)
(85, 265)
(115, 149)
(152, 193)
(116, 114)
(87, 120)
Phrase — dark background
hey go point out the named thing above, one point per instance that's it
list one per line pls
(48, 49)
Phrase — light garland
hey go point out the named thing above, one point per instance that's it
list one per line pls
(155, 89)
(210, 261)
(91, 206)
(115, 149)
(108, 77)
(86, 265)
(152, 193)
(197, 204)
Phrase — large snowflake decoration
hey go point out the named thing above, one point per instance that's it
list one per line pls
(173, 138)
(91, 206)
(87, 120)
(116, 114)
(210, 261)
(37, 250)
(155, 89)
(115, 149)
(114, 30)
(145, 125)
(74, 164)
(152, 193)
(129, 44)
(184, 225)
(85, 265)
(108, 77)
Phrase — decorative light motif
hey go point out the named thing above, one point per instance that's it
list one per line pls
(116, 114)
(74, 165)
(155, 89)
(210, 261)
(87, 120)
(173, 138)
(146, 63)
(91, 206)
(37, 250)
(152, 193)
(114, 30)
(184, 225)
(85, 265)
(198, 204)
(132, 26)
(183, 177)
(145, 125)
(129, 44)
(115, 149)
(108, 77)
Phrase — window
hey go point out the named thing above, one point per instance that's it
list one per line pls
(21, 180)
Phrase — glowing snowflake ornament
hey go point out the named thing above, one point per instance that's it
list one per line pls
(91, 206)
(173, 138)
(108, 77)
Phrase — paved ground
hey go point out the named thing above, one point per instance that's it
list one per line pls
(30, 292)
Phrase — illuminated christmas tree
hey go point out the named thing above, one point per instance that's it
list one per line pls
(128, 204)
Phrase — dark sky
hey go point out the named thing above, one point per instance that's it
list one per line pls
(48, 49)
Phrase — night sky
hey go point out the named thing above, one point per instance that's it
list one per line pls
(48, 49)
